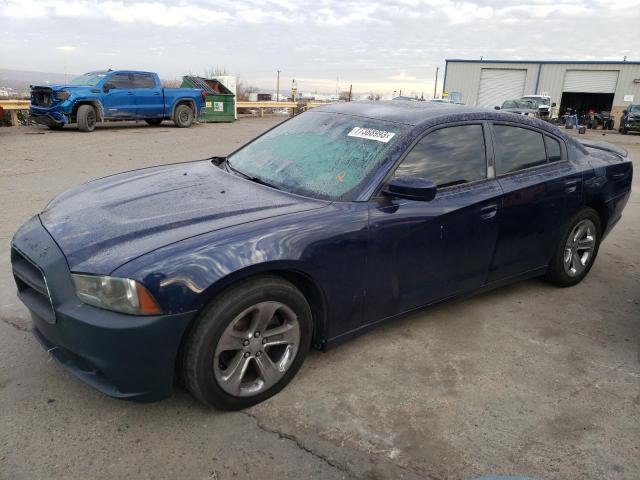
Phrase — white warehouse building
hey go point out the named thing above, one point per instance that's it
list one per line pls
(582, 86)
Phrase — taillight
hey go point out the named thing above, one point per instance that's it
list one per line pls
(204, 96)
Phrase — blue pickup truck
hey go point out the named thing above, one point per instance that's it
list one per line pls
(114, 95)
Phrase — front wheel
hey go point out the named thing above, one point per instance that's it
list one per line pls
(86, 118)
(183, 116)
(248, 344)
(577, 249)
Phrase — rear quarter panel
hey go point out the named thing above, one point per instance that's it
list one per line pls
(608, 181)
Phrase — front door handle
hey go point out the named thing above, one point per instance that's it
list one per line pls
(489, 211)
(571, 186)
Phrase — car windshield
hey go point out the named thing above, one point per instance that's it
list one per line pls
(511, 104)
(90, 79)
(535, 101)
(634, 109)
(320, 155)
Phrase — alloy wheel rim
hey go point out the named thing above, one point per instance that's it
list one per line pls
(91, 119)
(256, 349)
(578, 251)
(184, 116)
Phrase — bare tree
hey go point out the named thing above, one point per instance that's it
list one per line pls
(243, 90)
(344, 96)
(375, 97)
(216, 71)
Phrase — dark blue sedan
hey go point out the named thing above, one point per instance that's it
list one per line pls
(225, 271)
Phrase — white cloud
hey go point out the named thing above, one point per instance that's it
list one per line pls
(66, 48)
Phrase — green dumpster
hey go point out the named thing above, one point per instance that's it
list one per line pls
(220, 102)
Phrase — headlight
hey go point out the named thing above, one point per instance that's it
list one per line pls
(117, 294)
(62, 95)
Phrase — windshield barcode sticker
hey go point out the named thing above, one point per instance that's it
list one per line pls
(371, 134)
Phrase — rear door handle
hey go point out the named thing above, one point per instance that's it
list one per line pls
(571, 186)
(489, 211)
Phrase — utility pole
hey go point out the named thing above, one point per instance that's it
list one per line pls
(435, 87)
(278, 88)
(350, 87)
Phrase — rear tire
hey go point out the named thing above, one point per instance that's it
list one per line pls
(577, 249)
(86, 118)
(247, 344)
(153, 121)
(183, 116)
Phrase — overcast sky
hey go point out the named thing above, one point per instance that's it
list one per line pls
(376, 45)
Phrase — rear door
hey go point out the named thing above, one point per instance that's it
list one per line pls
(541, 190)
(421, 251)
(149, 101)
(119, 101)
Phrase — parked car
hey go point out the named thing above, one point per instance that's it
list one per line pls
(225, 271)
(630, 119)
(114, 95)
(539, 106)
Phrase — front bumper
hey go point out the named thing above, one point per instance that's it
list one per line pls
(124, 356)
(632, 125)
(48, 116)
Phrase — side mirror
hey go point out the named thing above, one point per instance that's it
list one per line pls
(624, 112)
(411, 188)
(108, 86)
(553, 104)
(497, 107)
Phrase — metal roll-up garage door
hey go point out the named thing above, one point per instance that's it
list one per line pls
(590, 81)
(500, 84)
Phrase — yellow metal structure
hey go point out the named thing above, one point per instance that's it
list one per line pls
(14, 106)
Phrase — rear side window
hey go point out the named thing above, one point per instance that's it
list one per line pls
(448, 156)
(517, 148)
(553, 149)
(143, 81)
(121, 80)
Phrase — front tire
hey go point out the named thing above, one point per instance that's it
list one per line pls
(183, 116)
(86, 118)
(248, 343)
(577, 249)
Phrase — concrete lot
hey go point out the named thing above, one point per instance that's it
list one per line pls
(528, 379)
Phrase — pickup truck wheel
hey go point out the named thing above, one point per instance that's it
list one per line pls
(577, 249)
(86, 118)
(153, 121)
(247, 344)
(183, 116)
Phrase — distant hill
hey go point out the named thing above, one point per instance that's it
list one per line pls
(21, 79)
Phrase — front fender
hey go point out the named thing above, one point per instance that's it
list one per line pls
(327, 246)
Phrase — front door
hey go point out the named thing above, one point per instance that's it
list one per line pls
(422, 252)
(119, 101)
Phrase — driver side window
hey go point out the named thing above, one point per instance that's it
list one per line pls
(448, 156)
(121, 81)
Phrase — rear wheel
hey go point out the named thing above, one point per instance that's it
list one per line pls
(577, 249)
(86, 118)
(248, 344)
(183, 116)
(153, 121)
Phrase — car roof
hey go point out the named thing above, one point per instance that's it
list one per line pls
(426, 114)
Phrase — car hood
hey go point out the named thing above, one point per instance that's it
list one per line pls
(107, 222)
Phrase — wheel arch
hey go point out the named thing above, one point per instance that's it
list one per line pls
(602, 210)
(184, 101)
(95, 103)
(294, 274)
